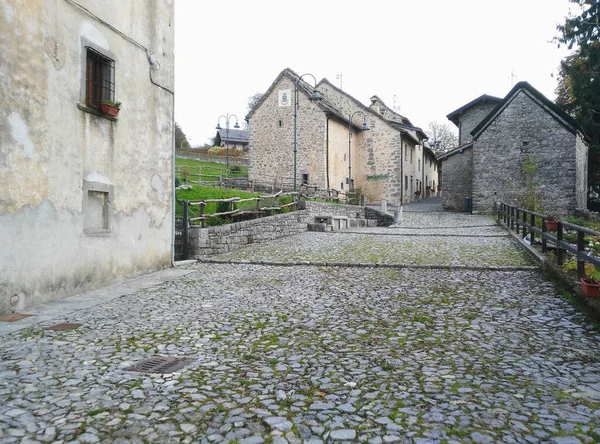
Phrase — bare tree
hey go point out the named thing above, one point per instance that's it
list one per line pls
(254, 100)
(442, 136)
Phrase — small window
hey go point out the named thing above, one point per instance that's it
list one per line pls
(419, 164)
(96, 208)
(280, 123)
(100, 79)
(405, 151)
(342, 185)
(406, 182)
(305, 179)
(96, 212)
(411, 155)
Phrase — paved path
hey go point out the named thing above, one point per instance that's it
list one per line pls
(416, 352)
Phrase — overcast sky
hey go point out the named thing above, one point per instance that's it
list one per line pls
(428, 57)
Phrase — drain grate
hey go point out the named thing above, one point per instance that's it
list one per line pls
(158, 364)
(64, 327)
(13, 317)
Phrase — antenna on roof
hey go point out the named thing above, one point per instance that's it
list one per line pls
(513, 76)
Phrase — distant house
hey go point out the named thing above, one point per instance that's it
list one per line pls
(235, 139)
(85, 197)
(389, 161)
(522, 146)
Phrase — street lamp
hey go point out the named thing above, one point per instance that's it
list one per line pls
(365, 127)
(227, 118)
(315, 97)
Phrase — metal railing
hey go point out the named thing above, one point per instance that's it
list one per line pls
(522, 220)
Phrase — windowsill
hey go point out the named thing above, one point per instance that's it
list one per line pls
(96, 232)
(96, 112)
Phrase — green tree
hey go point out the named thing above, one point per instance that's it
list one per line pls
(180, 138)
(578, 90)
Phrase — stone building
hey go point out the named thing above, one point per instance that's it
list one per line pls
(522, 148)
(387, 162)
(85, 197)
(233, 138)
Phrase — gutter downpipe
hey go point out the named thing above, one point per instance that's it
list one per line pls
(401, 178)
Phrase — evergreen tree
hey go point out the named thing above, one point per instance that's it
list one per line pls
(578, 91)
(180, 138)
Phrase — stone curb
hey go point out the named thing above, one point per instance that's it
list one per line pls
(363, 233)
(364, 265)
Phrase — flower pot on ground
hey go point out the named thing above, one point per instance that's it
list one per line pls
(111, 108)
(590, 287)
(551, 223)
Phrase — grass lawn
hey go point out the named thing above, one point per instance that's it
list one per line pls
(199, 193)
(208, 168)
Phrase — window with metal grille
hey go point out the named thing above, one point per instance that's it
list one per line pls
(100, 79)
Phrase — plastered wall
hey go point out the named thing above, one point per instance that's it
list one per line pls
(53, 151)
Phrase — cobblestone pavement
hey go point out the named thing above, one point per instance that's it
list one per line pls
(319, 354)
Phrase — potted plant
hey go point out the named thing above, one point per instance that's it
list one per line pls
(109, 107)
(551, 223)
(590, 284)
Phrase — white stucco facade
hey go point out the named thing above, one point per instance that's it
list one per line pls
(85, 199)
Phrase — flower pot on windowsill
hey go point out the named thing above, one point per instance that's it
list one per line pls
(589, 288)
(110, 108)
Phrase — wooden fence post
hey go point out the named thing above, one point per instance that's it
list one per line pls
(580, 249)
(560, 252)
(185, 228)
(518, 215)
(532, 243)
(544, 241)
(201, 212)
(512, 218)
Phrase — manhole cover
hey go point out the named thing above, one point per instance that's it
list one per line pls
(64, 327)
(158, 364)
(13, 317)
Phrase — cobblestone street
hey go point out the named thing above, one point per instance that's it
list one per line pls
(485, 352)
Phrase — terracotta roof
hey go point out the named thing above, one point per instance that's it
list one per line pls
(568, 122)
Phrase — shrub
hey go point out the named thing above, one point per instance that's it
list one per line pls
(185, 172)
(354, 196)
(177, 182)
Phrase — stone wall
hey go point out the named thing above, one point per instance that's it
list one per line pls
(472, 117)
(375, 153)
(85, 199)
(232, 237)
(581, 160)
(458, 179)
(524, 130)
(271, 148)
(324, 209)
